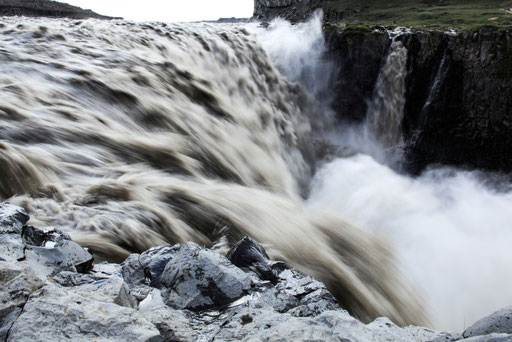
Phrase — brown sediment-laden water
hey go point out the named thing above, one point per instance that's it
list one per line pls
(132, 135)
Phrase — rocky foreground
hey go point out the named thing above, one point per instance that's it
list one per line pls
(52, 291)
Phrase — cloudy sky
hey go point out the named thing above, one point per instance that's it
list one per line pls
(169, 10)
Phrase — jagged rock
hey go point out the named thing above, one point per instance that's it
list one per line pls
(499, 322)
(182, 293)
(142, 272)
(198, 278)
(248, 254)
(17, 282)
(12, 220)
(55, 249)
(154, 262)
(99, 272)
(68, 278)
(54, 313)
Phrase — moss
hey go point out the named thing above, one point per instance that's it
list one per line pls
(357, 29)
(461, 14)
(484, 28)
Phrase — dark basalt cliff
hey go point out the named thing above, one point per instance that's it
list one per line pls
(459, 100)
(358, 57)
(458, 106)
(45, 8)
(292, 10)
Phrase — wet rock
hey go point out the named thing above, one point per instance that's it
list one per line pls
(54, 313)
(499, 322)
(198, 278)
(248, 254)
(358, 57)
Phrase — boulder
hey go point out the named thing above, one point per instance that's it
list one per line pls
(248, 254)
(55, 249)
(53, 314)
(499, 322)
(490, 338)
(197, 279)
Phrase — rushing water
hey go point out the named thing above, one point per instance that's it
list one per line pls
(132, 135)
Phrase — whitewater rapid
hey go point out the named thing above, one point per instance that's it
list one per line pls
(129, 136)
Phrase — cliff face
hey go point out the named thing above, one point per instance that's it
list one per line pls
(459, 100)
(358, 57)
(292, 10)
(45, 8)
(458, 105)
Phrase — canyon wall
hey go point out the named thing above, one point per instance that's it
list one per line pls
(458, 106)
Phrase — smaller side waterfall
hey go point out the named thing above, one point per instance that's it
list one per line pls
(386, 110)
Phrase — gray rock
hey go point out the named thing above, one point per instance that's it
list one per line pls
(154, 261)
(17, 282)
(498, 322)
(198, 278)
(54, 314)
(12, 221)
(112, 290)
(59, 252)
(490, 338)
(135, 277)
(99, 272)
(69, 279)
(12, 218)
(248, 254)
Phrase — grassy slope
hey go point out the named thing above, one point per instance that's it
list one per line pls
(463, 14)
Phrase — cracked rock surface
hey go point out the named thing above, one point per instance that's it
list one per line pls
(51, 291)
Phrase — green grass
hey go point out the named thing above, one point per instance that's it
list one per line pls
(459, 14)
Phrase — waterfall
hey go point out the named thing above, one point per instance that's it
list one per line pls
(386, 109)
(129, 136)
(449, 227)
